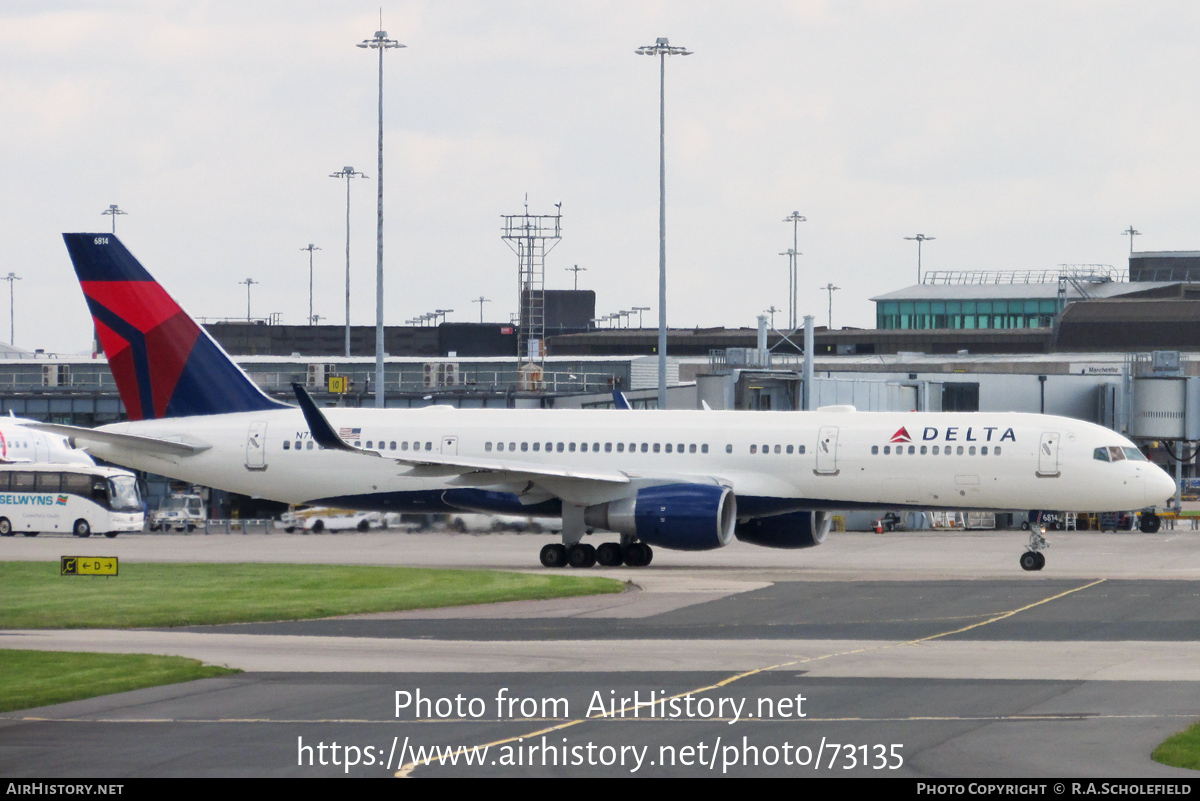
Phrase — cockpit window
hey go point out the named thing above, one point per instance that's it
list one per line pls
(1115, 453)
(1135, 454)
(1101, 454)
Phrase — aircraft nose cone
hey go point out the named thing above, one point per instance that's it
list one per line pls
(1160, 487)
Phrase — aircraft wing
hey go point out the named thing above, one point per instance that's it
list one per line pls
(165, 447)
(433, 464)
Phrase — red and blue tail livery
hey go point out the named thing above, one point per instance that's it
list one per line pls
(164, 363)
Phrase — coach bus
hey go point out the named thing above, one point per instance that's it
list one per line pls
(50, 498)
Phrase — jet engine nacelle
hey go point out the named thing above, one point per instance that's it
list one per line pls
(792, 530)
(684, 517)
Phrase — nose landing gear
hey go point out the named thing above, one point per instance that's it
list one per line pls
(1034, 559)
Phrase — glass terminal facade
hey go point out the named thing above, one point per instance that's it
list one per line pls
(926, 314)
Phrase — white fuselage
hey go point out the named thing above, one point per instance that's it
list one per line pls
(771, 460)
(19, 443)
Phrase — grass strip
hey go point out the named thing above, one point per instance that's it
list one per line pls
(41, 678)
(33, 595)
(1180, 750)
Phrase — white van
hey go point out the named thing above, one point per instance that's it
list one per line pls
(37, 498)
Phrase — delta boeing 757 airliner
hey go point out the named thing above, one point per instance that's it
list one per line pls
(689, 480)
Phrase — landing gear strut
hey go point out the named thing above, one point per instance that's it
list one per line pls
(1034, 559)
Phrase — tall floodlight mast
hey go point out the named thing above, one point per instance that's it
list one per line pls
(1131, 233)
(830, 288)
(249, 282)
(577, 270)
(531, 237)
(113, 211)
(347, 173)
(793, 254)
(311, 247)
(11, 278)
(919, 238)
(380, 42)
(662, 48)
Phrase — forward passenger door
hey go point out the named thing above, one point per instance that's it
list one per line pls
(1048, 455)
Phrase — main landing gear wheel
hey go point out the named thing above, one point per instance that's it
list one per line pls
(554, 555)
(1033, 560)
(609, 555)
(581, 555)
(1150, 523)
(637, 554)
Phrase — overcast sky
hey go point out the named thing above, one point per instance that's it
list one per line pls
(1020, 134)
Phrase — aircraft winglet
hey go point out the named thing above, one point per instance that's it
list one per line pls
(321, 431)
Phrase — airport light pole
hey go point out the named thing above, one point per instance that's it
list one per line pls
(347, 173)
(10, 278)
(481, 300)
(577, 270)
(1131, 233)
(249, 282)
(380, 42)
(919, 238)
(830, 288)
(662, 48)
(771, 311)
(311, 247)
(639, 310)
(113, 211)
(795, 218)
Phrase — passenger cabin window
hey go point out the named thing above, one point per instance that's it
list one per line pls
(729, 449)
(76, 483)
(754, 449)
(287, 444)
(487, 447)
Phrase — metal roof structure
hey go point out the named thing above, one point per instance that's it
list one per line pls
(1015, 291)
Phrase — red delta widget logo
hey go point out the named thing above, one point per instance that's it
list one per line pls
(956, 434)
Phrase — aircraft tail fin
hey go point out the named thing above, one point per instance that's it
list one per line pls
(165, 365)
